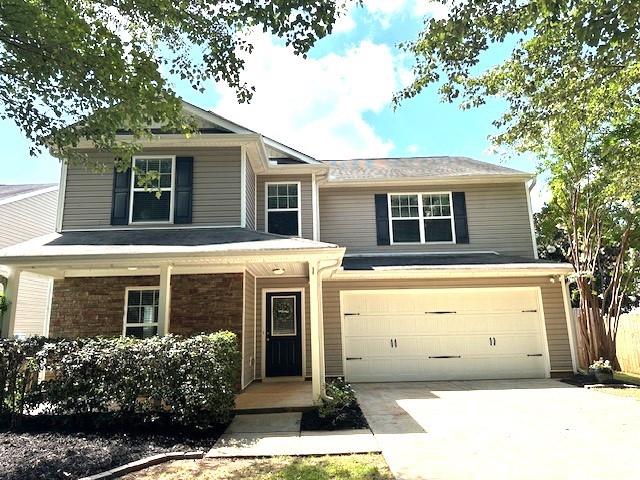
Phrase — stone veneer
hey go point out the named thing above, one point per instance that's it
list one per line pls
(95, 305)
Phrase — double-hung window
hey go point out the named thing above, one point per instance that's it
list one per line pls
(283, 208)
(421, 218)
(152, 202)
(141, 312)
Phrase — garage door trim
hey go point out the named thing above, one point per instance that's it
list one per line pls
(369, 291)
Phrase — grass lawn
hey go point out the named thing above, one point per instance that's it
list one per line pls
(621, 392)
(633, 378)
(343, 467)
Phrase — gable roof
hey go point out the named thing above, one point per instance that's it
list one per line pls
(233, 127)
(12, 193)
(380, 169)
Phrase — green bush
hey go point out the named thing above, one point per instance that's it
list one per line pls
(19, 369)
(342, 398)
(190, 380)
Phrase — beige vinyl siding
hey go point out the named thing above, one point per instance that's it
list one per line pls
(34, 297)
(305, 200)
(497, 216)
(251, 196)
(282, 284)
(555, 319)
(23, 220)
(216, 190)
(28, 218)
(248, 333)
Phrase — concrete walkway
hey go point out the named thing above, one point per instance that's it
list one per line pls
(274, 434)
(524, 429)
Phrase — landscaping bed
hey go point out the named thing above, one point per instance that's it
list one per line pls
(69, 451)
(579, 380)
(351, 418)
(340, 411)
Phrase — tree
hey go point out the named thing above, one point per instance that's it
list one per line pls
(571, 85)
(73, 69)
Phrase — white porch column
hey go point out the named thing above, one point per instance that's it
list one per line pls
(11, 295)
(164, 304)
(315, 320)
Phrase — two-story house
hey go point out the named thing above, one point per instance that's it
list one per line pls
(373, 269)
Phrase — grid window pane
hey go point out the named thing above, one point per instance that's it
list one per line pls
(404, 206)
(436, 205)
(142, 313)
(282, 196)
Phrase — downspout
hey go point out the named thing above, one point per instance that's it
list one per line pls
(534, 240)
(323, 392)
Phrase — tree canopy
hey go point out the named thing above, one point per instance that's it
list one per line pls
(102, 65)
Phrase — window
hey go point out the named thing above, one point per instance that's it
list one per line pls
(421, 217)
(283, 208)
(283, 316)
(141, 312)
(146, 206)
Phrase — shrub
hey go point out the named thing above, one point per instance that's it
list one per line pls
(342, 397)
(19, 369)
(190, 380)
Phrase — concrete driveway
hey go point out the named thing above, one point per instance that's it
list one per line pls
(506, 429)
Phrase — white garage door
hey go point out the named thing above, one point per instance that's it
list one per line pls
(453, 334)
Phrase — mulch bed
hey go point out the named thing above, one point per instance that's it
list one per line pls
(49, 449)
(351, 418)
(583, 380)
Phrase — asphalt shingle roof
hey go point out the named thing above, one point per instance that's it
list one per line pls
(376, 261)
(8, 191)
(412, 167)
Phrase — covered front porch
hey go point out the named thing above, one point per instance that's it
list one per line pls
(265, 288)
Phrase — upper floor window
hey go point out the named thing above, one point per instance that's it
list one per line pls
(283, 208)
(141, 312)
(147, 205)
(421, 218)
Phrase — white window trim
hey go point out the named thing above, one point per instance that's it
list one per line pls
(125, 324)
(421, 218)
(295, 316)
(134, 189)
(267, 209)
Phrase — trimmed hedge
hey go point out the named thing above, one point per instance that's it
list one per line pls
(192, 380)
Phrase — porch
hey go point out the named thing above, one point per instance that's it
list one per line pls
(273, 396)
(187, 282)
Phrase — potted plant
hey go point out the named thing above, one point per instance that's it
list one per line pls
(602, 370)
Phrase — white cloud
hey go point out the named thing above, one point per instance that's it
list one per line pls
(437, 10)
(317, 105)
(413, 148)
(345, 23)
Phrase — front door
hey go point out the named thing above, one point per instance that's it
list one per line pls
(283, 334)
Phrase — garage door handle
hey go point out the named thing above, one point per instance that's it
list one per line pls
(445, 356)
(534, 354)
(439, 312)
(354, 358)
(529, 311)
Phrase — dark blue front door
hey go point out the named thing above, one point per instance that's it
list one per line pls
(284, 334)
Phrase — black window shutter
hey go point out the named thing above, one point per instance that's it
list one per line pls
(460, 217)
(382, 219)
(120, 198)
(182, 212)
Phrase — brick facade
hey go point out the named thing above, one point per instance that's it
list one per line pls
(95, 306)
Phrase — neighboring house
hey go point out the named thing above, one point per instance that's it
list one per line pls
(26, 212)
(375, 269)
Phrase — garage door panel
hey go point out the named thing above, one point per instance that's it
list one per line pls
(454, 341)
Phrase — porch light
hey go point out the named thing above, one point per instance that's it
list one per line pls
(132, 268)
(278, 271)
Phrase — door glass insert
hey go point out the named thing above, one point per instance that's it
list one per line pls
(283, 316)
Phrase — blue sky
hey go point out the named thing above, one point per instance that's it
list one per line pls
(336, 103)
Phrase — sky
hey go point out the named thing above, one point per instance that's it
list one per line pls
(336, 103)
